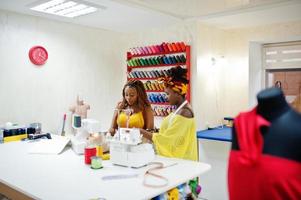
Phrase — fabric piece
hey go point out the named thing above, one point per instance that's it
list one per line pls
(271, 178)
(135, 120)
(249, 138)
(177, 139)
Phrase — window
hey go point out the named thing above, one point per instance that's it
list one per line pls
(282, 65)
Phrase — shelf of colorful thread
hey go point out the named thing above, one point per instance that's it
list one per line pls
(164, 48)
(157, 61)
(147, 75)
(151, 74)
(163, 111)
(143, 64)
(157, 66)
(160, 98)
(153, 86)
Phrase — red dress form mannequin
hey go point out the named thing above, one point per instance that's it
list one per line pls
(265, 159)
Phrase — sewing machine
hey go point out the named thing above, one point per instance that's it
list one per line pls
(80, 140)
(126, 149)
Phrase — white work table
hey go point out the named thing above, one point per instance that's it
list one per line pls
(65, 176)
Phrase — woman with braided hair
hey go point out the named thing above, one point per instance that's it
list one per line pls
(134, 111)
(177, 134)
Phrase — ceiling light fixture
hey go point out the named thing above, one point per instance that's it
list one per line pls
(64, 8)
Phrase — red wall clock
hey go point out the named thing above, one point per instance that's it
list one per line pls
(38, 55)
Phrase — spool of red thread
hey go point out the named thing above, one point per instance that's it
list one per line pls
(89, 152)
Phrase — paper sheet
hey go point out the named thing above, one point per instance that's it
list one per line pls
(52, 146)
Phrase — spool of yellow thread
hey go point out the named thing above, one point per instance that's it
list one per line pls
(99, 151)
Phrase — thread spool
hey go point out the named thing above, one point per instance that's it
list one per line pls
(178, 45)
(96, 162)
(173, 58)
(99, 151)
(89, 153)
(169, 47)
(174, 47)
(149, 50)
(183, 46)
(160, 60)
(160, 48)
(145, 50)
(141, 50)
(178, 59)
(138, 51)
(156, 48)
(76, 121)
(148, 74)
(183, 59)
(165, 47)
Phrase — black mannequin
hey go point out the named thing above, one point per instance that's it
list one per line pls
(271, 104)
(283, 137)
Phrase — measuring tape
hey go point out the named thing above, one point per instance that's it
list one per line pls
(150, 172)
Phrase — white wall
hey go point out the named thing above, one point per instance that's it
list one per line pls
(81, 60)
(209, 81)
(243, 46)
(231, 85)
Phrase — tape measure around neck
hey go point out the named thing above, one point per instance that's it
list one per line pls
(178, 109)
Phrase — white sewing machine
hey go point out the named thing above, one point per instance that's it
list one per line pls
(126, 149)
(79, 141)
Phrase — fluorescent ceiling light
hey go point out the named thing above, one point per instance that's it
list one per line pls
(64, 8)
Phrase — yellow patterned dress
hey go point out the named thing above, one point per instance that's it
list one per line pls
(177, 138)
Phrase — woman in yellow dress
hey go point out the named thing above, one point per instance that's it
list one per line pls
(134, 111)
(177, 134)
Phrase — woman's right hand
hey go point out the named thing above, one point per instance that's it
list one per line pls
(146, 134)
(112, 131)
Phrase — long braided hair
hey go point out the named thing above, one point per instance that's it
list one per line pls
(142, 100)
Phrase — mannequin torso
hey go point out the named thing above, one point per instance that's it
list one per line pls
(283, 137)
(266, 153)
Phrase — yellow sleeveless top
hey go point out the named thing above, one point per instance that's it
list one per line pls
(177, 138)
(136, 120)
